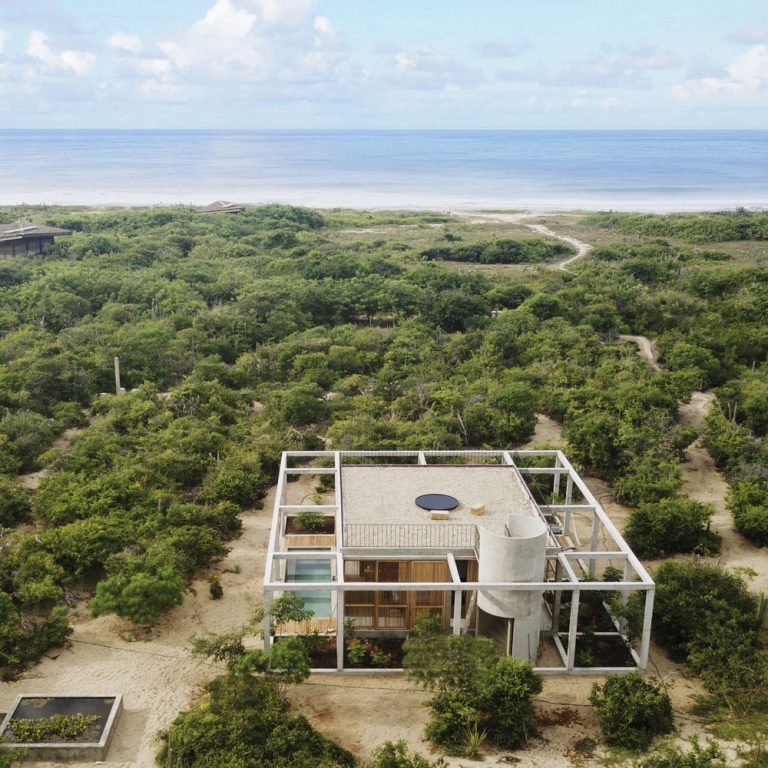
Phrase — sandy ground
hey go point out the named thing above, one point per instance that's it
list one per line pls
(158, 677)
(702, 481)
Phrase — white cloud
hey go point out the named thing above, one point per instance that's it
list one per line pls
(497, 49)
(609, 102)
(218, 43)
(3, 38)
(284, 12)
(158, 68)
(78, 62)
(628, 68)
(749, 34)
(322, 25)
(585, 101)
(746, 75)
(425, 67)
(155, 90)
(248, 41)
(122, 41)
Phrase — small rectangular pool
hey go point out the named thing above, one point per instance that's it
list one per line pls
(313, 571)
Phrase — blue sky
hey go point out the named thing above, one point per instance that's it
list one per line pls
(393, 64)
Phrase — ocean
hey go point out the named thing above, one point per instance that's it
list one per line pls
(537, 170)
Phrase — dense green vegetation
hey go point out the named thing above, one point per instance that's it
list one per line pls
(709, 618)
(241, 336)
(632, 710)
(476, 690)
(244, 723)
(396, 755)
(501, 251)
(674, 524)
(736, 437)
(699, 228)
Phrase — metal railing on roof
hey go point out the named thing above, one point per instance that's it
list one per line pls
(410, 536)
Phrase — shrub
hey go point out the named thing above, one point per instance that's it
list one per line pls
(674, 757)
(24, 638)
(11, 757)
(215, 589)
(451, 712)
(708, 618)
(394, 754)
(310, 520)
(504, 691)
(53, 728)
(238, 479)
(747, 499)
(672, 525)
(139, 595)
(14, 503)
(632, 710)
(650, 478)
(243, 723)
(478, 690)
(692, 598)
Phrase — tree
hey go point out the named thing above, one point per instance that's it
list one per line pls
(139, 595)
(692, 598)
(14, 503)
(476, 689)
(632, 710)
(301, 404)
(238, 478)
(676, 524)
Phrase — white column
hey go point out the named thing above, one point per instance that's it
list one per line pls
(572, 628)
(457, 612)
(645, 644)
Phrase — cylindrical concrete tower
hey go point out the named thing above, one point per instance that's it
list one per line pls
(520, 556)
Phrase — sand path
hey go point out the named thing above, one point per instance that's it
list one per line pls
(582, 248)
(31, 480)
(703, 482)
(646, 348)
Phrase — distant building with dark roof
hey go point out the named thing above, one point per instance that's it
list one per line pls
(24, 237)
(222, 206)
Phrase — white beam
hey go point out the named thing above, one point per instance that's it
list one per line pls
(453, 568)
(310, 471)
(443, 586)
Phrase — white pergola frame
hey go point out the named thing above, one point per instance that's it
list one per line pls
(566, 563)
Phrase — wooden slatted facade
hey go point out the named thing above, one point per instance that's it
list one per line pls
(395, 610)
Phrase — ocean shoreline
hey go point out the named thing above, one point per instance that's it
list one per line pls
(444, 207)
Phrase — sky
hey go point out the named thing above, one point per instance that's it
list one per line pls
(390, 64)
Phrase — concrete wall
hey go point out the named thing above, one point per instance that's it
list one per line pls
(517, 557)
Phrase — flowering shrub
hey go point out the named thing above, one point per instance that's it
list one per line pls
(370, 653)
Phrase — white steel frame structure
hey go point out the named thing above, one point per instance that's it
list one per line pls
(571, 566)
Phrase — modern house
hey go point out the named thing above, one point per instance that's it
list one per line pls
(506, 544)
(23, 237)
